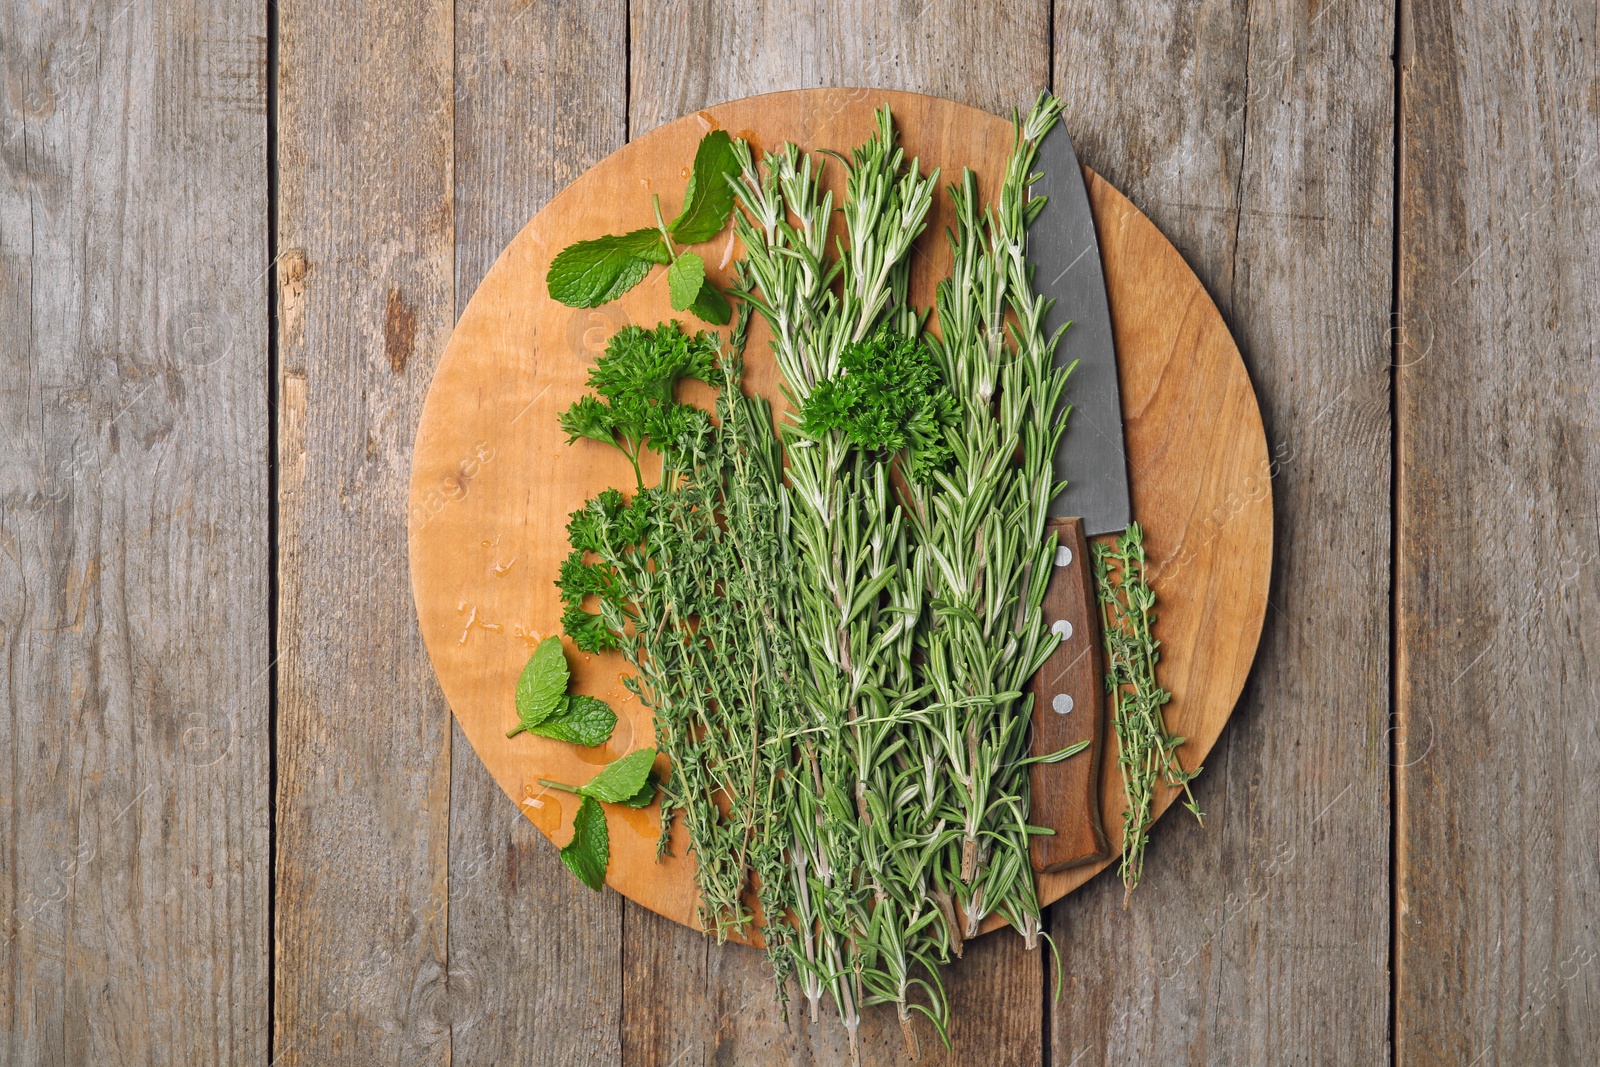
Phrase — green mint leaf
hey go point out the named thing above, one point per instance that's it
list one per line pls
(684, 278)
(644, 796)
(583, 720)
(711, 305)
(543, 685)
(589, 851)
(621, 779)
(589, 273)
(709, 197)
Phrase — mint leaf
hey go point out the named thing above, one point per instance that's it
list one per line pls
(684, 278)
(583, 720)
(543, 685)
(589, 851)
(711, 305)
(622, 779)
(709, 197)
(645, 795)
(589, 273)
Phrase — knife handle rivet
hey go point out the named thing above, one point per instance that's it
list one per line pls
(1063, 556)
(1064, 628)
(1062, 703)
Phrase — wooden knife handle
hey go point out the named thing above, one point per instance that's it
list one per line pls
(1069, 707)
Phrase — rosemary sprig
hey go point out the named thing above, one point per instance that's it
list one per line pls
(865, 922)
(1147, 753)
(979, 528)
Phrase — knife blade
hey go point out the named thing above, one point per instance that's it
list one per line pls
(1069, 689)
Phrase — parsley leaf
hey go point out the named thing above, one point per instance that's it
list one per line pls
(589, 851)
(684, 279)
(590, 273)
(889, 396)
(709, 197)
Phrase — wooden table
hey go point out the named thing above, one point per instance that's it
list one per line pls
(236, 823)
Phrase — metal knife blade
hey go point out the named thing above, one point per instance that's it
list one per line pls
(1066, 259)
(1069, 688)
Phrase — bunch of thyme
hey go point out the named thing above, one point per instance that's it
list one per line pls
(1147, 753)
(691, 579)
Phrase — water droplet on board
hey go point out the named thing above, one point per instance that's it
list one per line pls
(543, 809)
(643, 821)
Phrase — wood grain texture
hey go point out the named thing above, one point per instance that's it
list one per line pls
(366, 231)
(688, 54)
(535, 955)
(132, 351)
(133, 535)
(1259, 138)
(1498, 881)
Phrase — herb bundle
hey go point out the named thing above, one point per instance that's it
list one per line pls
(690, 579)
(979, 531)
(1147, 753)
(869, 931)
(836, 651)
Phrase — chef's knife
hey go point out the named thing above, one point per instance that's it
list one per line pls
(1069, 690)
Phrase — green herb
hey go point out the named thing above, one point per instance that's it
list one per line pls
(684, 278)
(1147, 753)
(709, 196)
(621, 781)
(978, 532)
(634, 383)
(589, 851)
(590, 273)
(545, 708)
(689, 579)
(887, 396)
(863, 836)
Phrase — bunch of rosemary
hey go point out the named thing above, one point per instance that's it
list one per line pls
(979, 533)
(861, 817)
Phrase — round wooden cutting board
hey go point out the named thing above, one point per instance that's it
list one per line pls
(493, 478)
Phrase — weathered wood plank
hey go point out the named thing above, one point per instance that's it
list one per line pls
(366, 300)
(539, 91)
(133, 534)
(685, 56)
(1497, 946)
(1259, 138)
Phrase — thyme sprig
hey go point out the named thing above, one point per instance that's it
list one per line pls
(1147, 752)
(689, 580)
